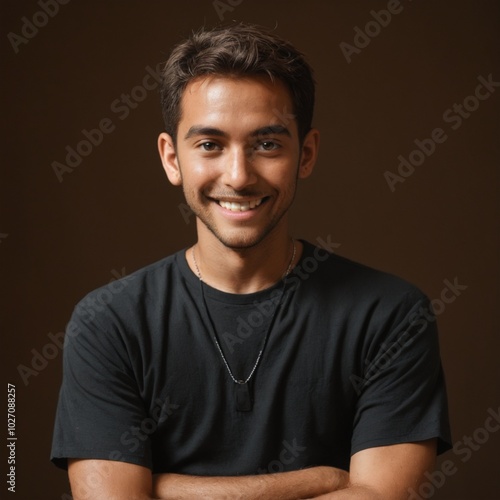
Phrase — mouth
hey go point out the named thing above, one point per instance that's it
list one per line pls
(241, 206)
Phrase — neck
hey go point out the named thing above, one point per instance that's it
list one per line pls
(244, 270)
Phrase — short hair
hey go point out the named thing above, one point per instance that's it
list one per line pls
(237, 50)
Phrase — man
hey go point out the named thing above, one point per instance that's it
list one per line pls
(251, 365)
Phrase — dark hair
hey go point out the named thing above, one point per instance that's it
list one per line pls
(237, 50)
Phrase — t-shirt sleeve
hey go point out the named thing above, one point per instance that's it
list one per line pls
(100, 413)
(402, 394)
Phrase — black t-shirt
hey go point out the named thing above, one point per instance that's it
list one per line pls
(351, 362)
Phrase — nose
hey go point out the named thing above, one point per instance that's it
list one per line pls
(239, 171)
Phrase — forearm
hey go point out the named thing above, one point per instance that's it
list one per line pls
(386, 472)
(304, 483)
(353, 493)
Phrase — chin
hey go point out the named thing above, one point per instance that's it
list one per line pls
(240, 239)
(238, 242)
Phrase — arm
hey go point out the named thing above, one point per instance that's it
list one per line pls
(284, 486)
(387, 472)
(109, 480)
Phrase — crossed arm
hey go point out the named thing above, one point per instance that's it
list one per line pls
(381, 473)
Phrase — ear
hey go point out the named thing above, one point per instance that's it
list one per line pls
(309, 153)
(168, 155)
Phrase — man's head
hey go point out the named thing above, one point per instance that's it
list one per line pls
(239, 50)
(238, 106)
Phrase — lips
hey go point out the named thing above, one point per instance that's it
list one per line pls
(243, 206)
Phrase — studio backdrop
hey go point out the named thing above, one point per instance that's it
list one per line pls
(408, 101)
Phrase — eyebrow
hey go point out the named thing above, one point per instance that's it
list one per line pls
(271, 130)
(201, 130)
(213, 131)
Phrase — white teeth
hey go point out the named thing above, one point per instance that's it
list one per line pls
(240, 207)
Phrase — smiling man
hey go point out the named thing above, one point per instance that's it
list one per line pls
(251, 365)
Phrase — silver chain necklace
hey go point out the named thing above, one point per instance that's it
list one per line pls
(243, 402)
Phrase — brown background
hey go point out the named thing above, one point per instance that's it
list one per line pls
(116, 210)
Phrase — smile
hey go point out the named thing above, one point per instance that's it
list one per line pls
(240, 207)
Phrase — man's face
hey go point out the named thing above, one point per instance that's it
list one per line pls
(237, 157)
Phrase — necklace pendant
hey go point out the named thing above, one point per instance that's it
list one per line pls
(243, 398)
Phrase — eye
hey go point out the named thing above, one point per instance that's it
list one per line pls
(208, 146)
(268, 145)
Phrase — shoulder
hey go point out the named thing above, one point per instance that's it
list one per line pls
(127, 301)
(374, 306)
(351, 281)
(134, 285)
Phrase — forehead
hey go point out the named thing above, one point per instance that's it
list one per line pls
(226, 101)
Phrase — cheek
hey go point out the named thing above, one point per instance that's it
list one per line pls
(196, 181)
(194, 170)
(284, 176)
(199, 168)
